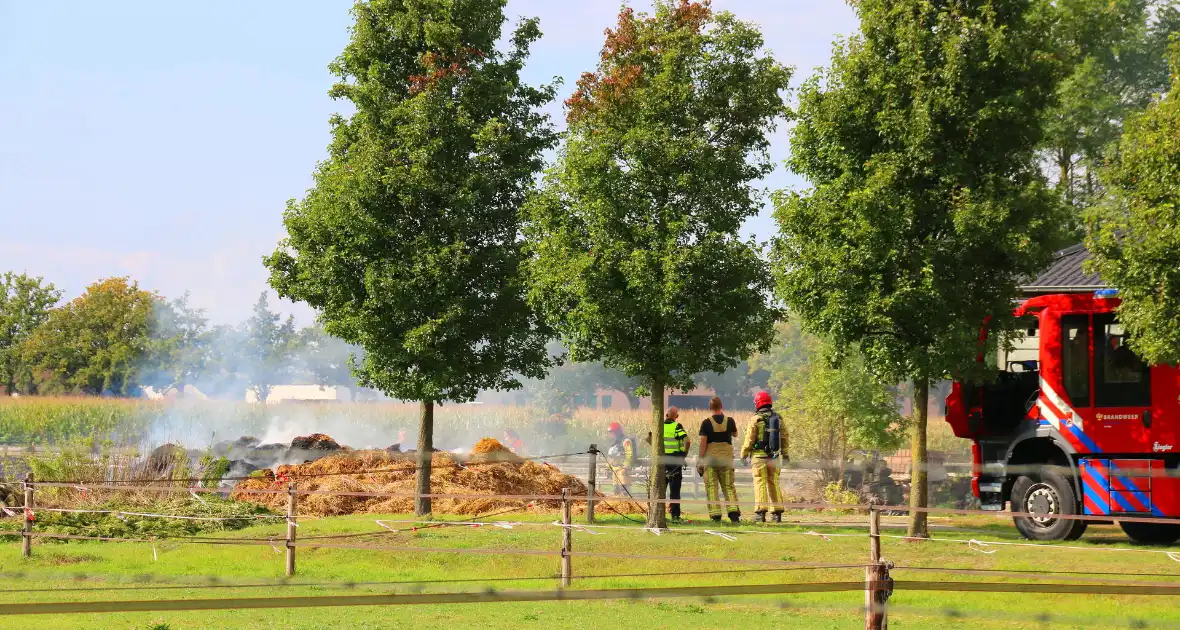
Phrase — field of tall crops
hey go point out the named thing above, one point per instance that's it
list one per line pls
(46, 421)
(93, 423)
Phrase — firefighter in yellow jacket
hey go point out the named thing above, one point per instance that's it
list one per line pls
(622, 452)
(715, 463)
(766, 439)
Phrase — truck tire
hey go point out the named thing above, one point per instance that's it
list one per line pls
(1050, 493)
(1151, 533)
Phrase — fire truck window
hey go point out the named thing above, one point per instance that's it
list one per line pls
(1121, 378)
(1075, 358)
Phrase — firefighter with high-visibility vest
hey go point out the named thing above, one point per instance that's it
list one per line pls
(620, 457)
(715, 463)
(676, 444)
(766, 440)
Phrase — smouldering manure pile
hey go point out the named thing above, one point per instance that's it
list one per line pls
(492, 471)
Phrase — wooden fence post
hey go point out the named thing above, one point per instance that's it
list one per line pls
(875, 576)
(292, 498)
(26, 549)
(591, 483)
(567, 538)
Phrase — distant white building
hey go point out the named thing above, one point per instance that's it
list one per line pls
(172, 392)
(302, 393)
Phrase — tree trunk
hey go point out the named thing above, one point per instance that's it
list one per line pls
(918, 476)
(655, 486)
(1065, 181)
(843, 449)
(425, 450)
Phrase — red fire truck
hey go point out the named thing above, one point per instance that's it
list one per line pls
(1077, 425)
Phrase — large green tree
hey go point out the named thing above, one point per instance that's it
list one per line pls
(1115, 51)
(1136, 236)
(324, 359)
(635, 253)
(927, 205)
(180, 345)
(24, 305)
(224, 370)
(97, 343)
(408, 244)
(268, 349)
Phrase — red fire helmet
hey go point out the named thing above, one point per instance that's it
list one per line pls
(615, 427)
(761, 399)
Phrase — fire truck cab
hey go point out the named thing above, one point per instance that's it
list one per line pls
(1074, 423)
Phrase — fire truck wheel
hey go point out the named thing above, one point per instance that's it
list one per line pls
(1079, 528)
(1047, 494)
(1151, 533)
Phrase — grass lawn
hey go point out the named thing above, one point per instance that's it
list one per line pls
(130, 568)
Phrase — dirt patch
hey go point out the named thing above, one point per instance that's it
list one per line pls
(385, 472)
(72, 558)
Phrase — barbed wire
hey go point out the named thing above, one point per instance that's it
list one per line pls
(581, 498)
(146, 584)
(618, 482)
(706, 593)
(981, 545)
(949, 613)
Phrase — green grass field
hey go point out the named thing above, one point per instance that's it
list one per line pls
(79, 571)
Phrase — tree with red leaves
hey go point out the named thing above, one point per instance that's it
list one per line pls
(635, 254)
(408, 244)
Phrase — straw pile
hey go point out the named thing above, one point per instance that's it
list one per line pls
(315, 442)
(492, 472)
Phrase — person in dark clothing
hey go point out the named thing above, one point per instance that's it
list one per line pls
(676, 445)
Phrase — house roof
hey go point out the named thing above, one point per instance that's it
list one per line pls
(1065, 274)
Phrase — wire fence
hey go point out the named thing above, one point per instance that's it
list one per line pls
(877, 583)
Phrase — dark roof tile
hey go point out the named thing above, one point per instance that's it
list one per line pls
(1065, 274)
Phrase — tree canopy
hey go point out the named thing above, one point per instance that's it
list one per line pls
(927, 205)
(180, 345)
(635, 254)
(1134, 237)
(95, 344)
(1115, 54)
(407, 244)
(268, 346)
(25, 302)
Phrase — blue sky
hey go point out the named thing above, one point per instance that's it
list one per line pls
(161, 140)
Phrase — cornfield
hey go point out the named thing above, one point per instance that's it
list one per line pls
(48, 422)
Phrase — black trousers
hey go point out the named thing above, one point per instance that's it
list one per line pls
(673, 477)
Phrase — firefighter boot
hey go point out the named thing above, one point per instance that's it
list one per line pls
(759, 517)
(735, 517)
(777, 517)
(716, 519)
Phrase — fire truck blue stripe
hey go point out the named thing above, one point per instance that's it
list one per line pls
(1098, 473)
(1089, 492)
(1091, 485)
(1082, 437)
(1123, 502)
(1146, 500)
